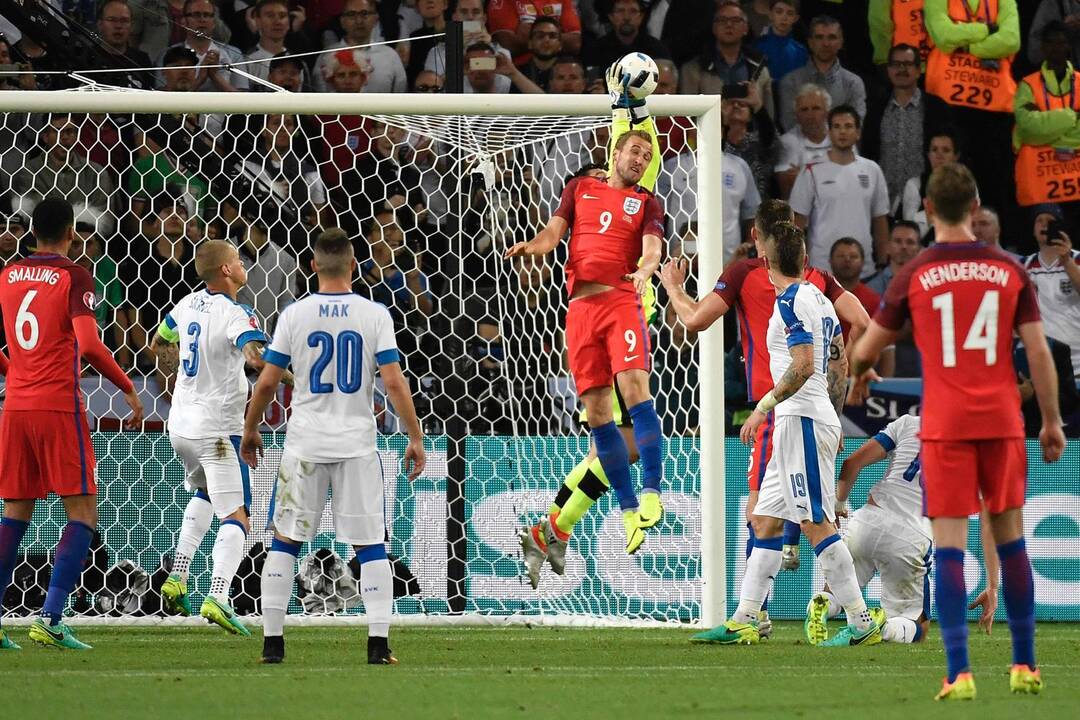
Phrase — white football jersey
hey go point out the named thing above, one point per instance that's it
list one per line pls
(803, 315)
(335, 343)
(211, 388)
(901, 489)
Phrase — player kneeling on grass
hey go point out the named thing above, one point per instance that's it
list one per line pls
(47, 303)
(889, 535)
(335, 341)
(216, 336)
(809, 368)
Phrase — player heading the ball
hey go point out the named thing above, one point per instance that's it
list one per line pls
(47, 303)
(335, 341)
(616, 232)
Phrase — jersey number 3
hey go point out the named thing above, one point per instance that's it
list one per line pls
(982, 335)
(349, 347)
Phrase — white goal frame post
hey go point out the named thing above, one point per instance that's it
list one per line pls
(703, 109)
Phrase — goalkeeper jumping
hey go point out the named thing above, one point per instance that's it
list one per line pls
(588, 481)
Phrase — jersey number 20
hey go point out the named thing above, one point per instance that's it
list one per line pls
(349, 349)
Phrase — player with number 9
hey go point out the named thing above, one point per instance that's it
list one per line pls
(616, 231)
(965, 300)
(47, 303)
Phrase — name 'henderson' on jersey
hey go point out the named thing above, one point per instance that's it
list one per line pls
(964, 301)
(39, 296)
(606, 230)
(335, 342)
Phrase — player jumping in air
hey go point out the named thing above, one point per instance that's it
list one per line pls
(809, 369)
(745, 285)
(335, 341)
(586, 482)
(216, 336)
(890, 535)
(617, 229)
(47, 303)
(965, 300)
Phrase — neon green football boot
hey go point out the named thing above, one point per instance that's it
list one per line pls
(174, 592)
(817, 618)
(651, 510)
(7, 643)
(57, 636)
(730, 633)
(635, 535)
(221, 614)
(1022, 679)
(962, 688)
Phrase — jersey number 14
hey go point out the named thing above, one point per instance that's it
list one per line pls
(982, 335)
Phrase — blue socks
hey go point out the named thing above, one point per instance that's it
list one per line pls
(1019, 590)
(792, 533)
(71, 554)
(615, 459)
(650, 442)
(951, 600)
(11, 534)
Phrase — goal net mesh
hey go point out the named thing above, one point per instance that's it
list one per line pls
(431, 201)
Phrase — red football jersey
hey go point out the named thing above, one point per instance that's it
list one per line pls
(39, 296)
(606, 230)
(745, 285)
(964, 300)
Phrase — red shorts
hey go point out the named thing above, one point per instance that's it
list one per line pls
(43, 450)
(760, 453)
(956, 474)
(606, 334)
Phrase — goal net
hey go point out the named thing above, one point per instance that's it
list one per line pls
(432, 189)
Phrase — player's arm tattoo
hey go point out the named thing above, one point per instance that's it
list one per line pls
(800, 370)
(837, 372)
(168, 355)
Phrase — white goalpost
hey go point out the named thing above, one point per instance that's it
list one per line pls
(432, 188)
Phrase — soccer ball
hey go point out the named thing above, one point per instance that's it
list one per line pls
(643, 74)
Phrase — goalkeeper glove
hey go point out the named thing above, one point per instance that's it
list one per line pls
(623, 105)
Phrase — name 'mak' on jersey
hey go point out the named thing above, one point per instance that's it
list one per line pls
(335, 343)
(964, 301)
(606, 230)
(804, 316)
(211, 387)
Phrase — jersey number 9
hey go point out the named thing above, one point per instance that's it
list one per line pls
(349, 349)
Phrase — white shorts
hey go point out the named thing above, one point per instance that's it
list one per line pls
(800, 480)
(214, 465)
(881, 541)
(356, 499)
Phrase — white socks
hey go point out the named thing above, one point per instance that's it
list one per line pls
(277, 582)
(377, 591)
(839, 571)
(899, 630)
(197, 518)
(761, 570)
(228, 552)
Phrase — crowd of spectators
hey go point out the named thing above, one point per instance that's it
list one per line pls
(841, 107)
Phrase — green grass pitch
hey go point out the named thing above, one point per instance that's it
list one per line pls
(465, 672)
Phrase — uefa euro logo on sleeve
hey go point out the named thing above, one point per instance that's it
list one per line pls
(630, 206)
(89, 300)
